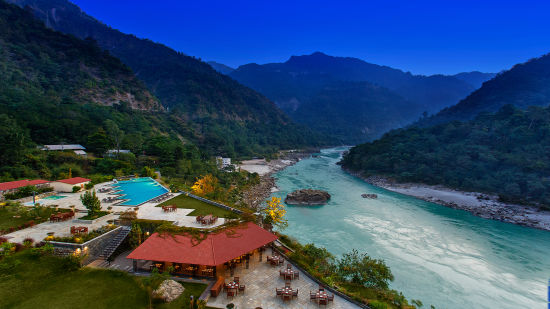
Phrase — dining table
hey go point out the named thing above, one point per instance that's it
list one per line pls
(288, 273)
(207, 219)
(233, 285)
(321, 294)
(276, 259)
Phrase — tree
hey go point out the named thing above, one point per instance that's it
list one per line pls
(13, 140)
(274, 213)
(362, 269)
(135, 235)
(91, 202)
(116, 134)
(98, 142)
(205, 185)
(152, 282)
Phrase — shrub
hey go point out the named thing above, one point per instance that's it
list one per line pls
(71, 262)
(378, 305)
(89, 186)
(28, 242)
(3, 240)
(19, 247)
(76, 189)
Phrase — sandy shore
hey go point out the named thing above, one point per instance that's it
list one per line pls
(482, 205)
(257, 194)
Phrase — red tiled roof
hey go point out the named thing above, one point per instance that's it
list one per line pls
(74, 180)
(20, 183)
(216, 249)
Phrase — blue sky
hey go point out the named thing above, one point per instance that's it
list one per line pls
(424, 37)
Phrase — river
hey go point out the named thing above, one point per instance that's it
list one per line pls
(444, 257)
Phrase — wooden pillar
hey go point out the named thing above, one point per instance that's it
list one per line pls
(134, 264)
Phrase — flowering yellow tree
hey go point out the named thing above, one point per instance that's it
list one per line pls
(275, 213)
(205, 185)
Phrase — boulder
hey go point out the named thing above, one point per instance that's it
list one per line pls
(307, 197)
(169, 290)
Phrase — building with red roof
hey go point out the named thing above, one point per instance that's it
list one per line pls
(12, 186)
(66, 185)
(204, 257)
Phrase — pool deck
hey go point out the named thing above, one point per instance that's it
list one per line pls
(147, 210)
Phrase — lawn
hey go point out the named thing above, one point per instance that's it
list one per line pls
(29, 282)
(12, 216)
(201, 208)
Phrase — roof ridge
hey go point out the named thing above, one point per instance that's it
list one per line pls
(213, 252)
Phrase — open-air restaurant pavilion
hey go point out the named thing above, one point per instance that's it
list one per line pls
(206, 257)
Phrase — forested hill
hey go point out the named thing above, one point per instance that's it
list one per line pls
(36, 59)
(524, 85)
(225, 117)
(60, 88)
(298, 83)
(507, 153)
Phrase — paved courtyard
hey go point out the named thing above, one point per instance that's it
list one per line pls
(62, 229)
(261, 280)
(146, 211)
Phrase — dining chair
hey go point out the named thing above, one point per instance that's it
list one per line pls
(312, 295)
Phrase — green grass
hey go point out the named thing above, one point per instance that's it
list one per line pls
(12, 216)
(29, 282)
(201, 208)
(98, 214)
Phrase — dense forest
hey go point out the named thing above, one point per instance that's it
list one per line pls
(524, 85)
(507, 153)
(298, 85)
(55, 88)
(223, 116)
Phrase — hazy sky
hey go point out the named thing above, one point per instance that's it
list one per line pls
(424, 37)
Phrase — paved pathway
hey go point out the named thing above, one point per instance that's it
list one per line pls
(261, 280)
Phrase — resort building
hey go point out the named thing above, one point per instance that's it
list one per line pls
(78, 149)
(223, 162)
(112, 152)
(13, 186)
(66, 185)
(208, 257)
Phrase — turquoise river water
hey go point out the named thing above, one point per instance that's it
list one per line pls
(445, 257)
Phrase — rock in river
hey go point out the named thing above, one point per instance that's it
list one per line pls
(307, 197)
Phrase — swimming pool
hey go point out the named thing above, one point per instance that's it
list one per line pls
(53, 197)
(139, 190)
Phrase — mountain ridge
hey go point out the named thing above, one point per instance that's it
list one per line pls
(225, 116)
(523, 85)
(301, 79)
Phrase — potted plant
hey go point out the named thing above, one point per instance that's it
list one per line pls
(110, 209)
(230, 306)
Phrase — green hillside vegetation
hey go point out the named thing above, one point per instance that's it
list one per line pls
(507, 153)
(47, 84)
(524, 85)
(363, 112)
(223, 117)
(31, 281)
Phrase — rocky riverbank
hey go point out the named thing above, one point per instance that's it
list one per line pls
(254, 196)
(479, 204)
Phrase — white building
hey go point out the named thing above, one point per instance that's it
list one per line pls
(66, 185)
(223, 162)
(78, 149)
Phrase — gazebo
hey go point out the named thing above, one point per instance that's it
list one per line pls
(201, 258)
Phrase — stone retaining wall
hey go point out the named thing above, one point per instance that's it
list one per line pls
(94, 247)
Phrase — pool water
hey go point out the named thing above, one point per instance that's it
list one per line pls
(139, 190)
(53, 197)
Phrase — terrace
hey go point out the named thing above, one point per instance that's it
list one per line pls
(262, 279)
